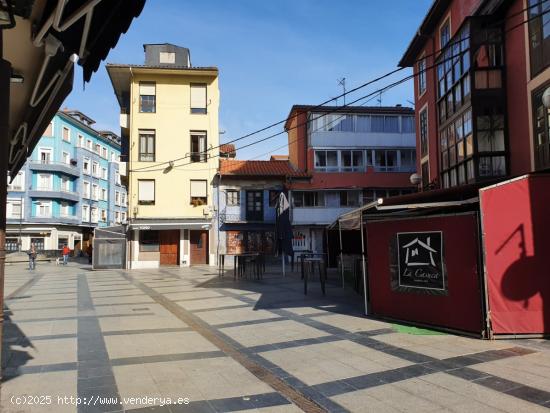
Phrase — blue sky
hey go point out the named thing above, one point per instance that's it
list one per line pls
(271, 55)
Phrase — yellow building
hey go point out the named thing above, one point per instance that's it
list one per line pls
(169, 120)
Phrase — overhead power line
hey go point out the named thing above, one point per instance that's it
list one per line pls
(155, 167)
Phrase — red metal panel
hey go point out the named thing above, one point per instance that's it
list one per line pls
(516, 227)
(460, 309)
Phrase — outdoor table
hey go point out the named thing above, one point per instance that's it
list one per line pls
(308, 262)
(239, 264)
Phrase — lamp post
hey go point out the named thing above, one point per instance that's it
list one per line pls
(546, 98)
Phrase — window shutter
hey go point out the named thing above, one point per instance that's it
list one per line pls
(146, 190)
(198, 96)
(198, 189)
(147, 89)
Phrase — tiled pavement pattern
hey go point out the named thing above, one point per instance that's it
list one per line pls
(254, 346)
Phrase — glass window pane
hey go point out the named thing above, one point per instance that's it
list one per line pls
(377, 124)
(391, 124)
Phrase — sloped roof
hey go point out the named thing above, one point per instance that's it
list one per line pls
(227, 149)
(259, 168)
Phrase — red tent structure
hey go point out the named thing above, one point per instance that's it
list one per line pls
(467, 259)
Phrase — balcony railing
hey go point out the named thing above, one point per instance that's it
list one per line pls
(71, 164)
(52, 188)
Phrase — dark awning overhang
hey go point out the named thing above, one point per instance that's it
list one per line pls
(65, 29)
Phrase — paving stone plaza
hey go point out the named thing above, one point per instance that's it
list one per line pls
(136, 340)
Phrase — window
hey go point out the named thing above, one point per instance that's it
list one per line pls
(349, 199)
(66, 134)
(113, 157)
(254, 205)
(147, 97)
(352, 161)
(117, 198)
(104, 215)
(274, 197)
(386, 160)
(95, 169)
(12, 244)
(95, 217)
(123, 216)
(122, 199)
(43, 209)
(541, 131)
(198, 147)
(391, 124)
(233, 197)
(45, 155)
(307, 199)
(45, 182)
(49, 130)
(539, 35)
(66, 158)
(407, 124)
(14, 208)
(117, 217)
(453, 77)
(65, 184)
(65, 209)
(424, 133)
(80, 141)
(445, 34)
(425, 175)
(89, 144)
(85, 213)
(422, 77)
(86, 166)
(18, 183)
(97, 148)
(149, 241)
(147, 145)
(146, 191)
(86, 187)
(95, 192)
(198, 98)
(167, 58)
(104, 173)
(117, 177)
(103, 194)
(199, 191)
(104, 152)
(326, 161)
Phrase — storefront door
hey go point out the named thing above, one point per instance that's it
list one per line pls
(198, 241)
(169, 242)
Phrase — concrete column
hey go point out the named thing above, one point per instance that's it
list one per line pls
(5, 75)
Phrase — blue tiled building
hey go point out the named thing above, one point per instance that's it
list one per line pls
(69, 185)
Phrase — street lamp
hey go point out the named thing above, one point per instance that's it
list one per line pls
(546, 98)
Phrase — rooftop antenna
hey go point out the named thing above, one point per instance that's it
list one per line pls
(342, 82)
(379, 100)
(411, 102)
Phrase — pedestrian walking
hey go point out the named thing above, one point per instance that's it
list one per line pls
(90, 250)
(32, 257)
(66, 252)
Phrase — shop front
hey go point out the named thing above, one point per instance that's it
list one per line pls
(468, 260)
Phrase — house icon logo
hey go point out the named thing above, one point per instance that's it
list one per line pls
(420, 260)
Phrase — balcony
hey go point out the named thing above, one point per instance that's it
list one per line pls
(49, 219)
(53, 192)
(51, 166)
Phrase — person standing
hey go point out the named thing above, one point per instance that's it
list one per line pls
(32, 257)
(66, 252)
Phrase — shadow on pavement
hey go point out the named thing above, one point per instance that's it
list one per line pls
(13, 336)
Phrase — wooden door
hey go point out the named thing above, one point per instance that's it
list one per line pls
(169, 243)
(198, 241)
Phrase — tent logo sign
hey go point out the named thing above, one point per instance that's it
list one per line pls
(420, 260)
